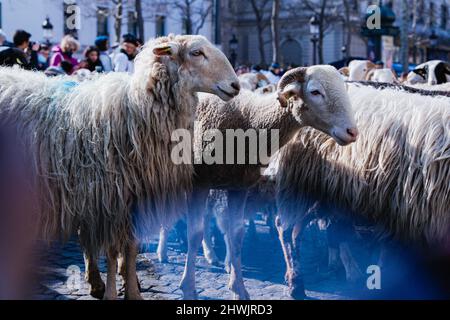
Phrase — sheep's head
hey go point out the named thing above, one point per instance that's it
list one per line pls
(203, 67)
(318, 98)
(358, 69)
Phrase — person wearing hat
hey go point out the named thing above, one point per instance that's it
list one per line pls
(274, 73)
(124, 59)
(102, 44)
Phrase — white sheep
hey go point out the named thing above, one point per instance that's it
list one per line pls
(382, 75)
(101, 149)
(396, 174)
(433, 72)
(357, 70)
(251, 81)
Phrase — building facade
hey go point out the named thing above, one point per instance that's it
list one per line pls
(428, 26)
(92, 18)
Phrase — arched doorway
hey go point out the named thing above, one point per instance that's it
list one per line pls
(291, 52)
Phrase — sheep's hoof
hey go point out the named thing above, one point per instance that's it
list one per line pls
(243, 295)
(98, 292)
(298, 293)
(110, 297)
(133, 296)
(191, 295)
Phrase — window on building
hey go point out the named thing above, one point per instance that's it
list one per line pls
(444, 16)
(160, 26)
(431, 15)
(132, 23)
(420, 10)
(102, 21)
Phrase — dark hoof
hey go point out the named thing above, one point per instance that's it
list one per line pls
(98, 292)
(298, 293)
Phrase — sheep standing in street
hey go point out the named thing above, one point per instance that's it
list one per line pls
(314, 96)
(101, 149)
(397, 173)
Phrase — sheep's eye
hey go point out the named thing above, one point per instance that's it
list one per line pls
(316, 93)
(197, 53)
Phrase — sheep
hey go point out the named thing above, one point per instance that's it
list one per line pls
(396, 174)
(432, 72)
(382, 75)
(314, 96)
(252, 81)
(101, 149)
(266, 89)
(357, 70)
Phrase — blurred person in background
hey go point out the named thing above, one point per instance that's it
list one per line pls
(124, 59)
(274, 73)
(92, 60)
(64, 52)
(43, 57)
(102, 44)
(23, 53)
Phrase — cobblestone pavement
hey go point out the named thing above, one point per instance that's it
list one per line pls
(263, 265)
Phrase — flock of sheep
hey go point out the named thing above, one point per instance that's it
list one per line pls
(100, 155)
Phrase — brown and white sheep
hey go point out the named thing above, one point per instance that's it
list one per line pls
(314, 96)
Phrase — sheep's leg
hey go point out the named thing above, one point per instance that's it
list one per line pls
(180, 229)
(92, 272)
(298, 288)
(111, 290)
(252, 227)
(271, 223)
(123, 273)
(162, 245)
(352, 271)
(195, 227)
(227, 262)
(132, 291)
(92, 275)
(208, 249)
(236, 204)
(290, 243)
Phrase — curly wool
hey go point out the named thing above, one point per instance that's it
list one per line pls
(397, 173)
(101, 148)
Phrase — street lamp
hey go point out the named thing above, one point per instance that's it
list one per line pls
(314, 30)
(47, 27)
(233, 49)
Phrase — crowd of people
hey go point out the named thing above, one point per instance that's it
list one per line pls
(64, 58)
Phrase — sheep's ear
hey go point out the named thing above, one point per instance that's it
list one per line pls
(291, 90)
(370, 65)
(290, 85)
(164, 49)
(370, 74)
(345, 71)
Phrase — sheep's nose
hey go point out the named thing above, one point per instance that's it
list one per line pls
(236, 86)
(353, 133)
